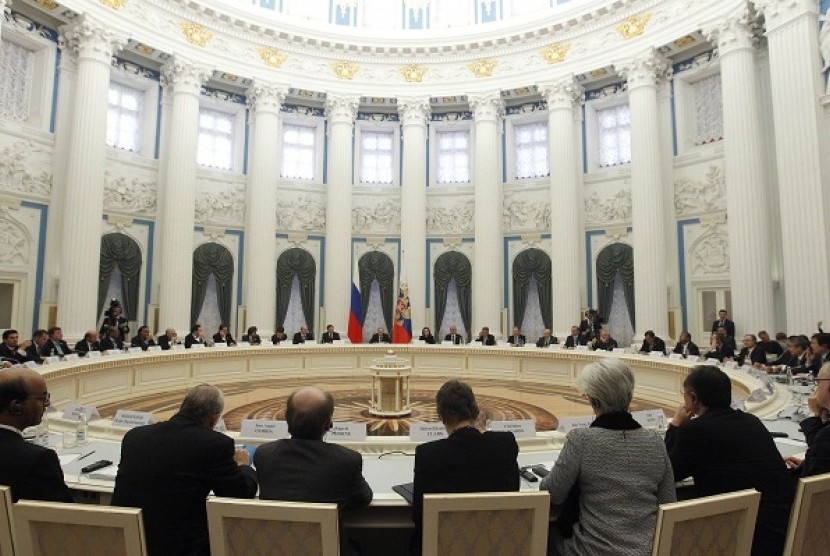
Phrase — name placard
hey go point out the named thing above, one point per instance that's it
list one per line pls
(712, 361)
(618, 351)
(176, 346)
(650, 418)
(347, 431)
(264, 428)
(30, 364)
(424, 432)
(154, 348)
(197, 346)
(676, 356)
(220, 345)
(51, 360)
(93, 354)
(523, 428)
(71, 357)
(567, 424)
(128, 419)
(135, 350)
(656, 354)
(581, 348)
(244, 344)
(114, 353)
(76, 412)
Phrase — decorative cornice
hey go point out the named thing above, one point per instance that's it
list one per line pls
(634, 26)
(644, 70)
(89, 38)
(780, 12)
(195, 33)
(562, 94)
(414, 73)
(47, 5)
(414, 110)
(341, 108)
(556, 52)
(486, 106)
(343, 69)
(735, 32)
(272, 57)
(483, 67)
(185, 76)
(266, 97)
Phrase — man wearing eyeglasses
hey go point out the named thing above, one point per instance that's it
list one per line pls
(816, 430)
(33, 472)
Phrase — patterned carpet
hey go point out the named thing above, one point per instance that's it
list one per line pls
(498, 400)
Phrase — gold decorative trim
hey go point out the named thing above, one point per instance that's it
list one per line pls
(195, 33)
(345, 70)
(47, 4)
(555, 53)
(145, 48)
(684, 41)
(634, 26)
(114, 4)
(413, 73)
(483, 67)
(272, 57)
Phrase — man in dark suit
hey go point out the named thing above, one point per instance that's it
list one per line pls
(196, 336)
(819, 352)
(302, 336)
(466, 461)
(453, 337)
(168, 338)
(725, 450)
(723, 320)
(795, 356)
(575, 339)
(304, 468)
(252, 337)
(33, 472)
(516, 338)
(112, 341)
(223, 336)
(11, 350)
(686, 346)
(380, 337)
(729, 343)
(55, 345)
(604, 342)
(816, 431)
(143, 339)
(330, 335)
(168, 469)
(35, 351)
(485, 338)
(751, 353)
(546, 339)
(88, 343)
(652, 342)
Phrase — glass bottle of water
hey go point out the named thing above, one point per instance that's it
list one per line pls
(82, 433)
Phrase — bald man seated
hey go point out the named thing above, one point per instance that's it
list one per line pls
(33, 472)
(304, 468)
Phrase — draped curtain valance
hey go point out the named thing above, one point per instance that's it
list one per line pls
(121, 251)
(532, 263)
(617, 258)
(299, 263)
(377, 265)
(215, 259)
(453, 266)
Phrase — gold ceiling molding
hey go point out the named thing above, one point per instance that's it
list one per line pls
(344, 70)
(555, 53)
(195, 33)
(47, 4)
(483, 67)
(272, 57)
(633, 26)
(684, 41)
(144, 48)
(413, 73)
(114, 4)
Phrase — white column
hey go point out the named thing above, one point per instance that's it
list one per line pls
(260, 272)
(796, 79)
(647, 195)
(488, 263)
(340, 111)
(566, 199)
(747, 194)
(83, 202)
(414, 113)
(183, 80)
(4, 7)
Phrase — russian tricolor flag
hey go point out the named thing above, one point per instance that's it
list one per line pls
(402, 327)
(356, 311)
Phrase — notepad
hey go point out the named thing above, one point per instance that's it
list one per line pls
(105, 474)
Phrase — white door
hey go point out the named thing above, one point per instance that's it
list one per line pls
(710, 300)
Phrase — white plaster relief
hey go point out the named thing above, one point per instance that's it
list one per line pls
(17, 173)
(456, 218)
(301, 213)
(383, 216)
(15, 245)
(700, 196)
(526, 213)
(710, 253)
(226, 206)
(614, 208)
(129, 195)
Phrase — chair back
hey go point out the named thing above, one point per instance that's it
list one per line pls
(723, 524)
(245, 527)
(486, 524)
(6, 526)
(808, 533)
(56, 528)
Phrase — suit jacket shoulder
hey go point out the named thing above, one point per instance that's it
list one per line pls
(33, 472)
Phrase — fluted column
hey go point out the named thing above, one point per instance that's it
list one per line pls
(340, 111)
(183, 80)
(796, 81)
(260, 293)
(747, 197)
(83, 202)
(643, 74)
(414, 113)
(488, 266)
(4, 7)
(566, 200)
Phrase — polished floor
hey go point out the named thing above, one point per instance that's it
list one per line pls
(498, 400)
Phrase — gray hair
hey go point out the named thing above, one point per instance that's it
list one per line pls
(203, 402)
(609, 383)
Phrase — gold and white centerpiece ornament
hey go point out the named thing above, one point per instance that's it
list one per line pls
(390, 386)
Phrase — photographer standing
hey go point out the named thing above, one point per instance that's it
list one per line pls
(114, 317)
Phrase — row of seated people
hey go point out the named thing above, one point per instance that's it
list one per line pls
(609, 478)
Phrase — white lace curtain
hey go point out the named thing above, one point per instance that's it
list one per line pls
(452, 314)
(531, 150)
(619, 321)
(614, 135)
(215, 139)
(376, 157)
(708, 109)
(298, 151)
(16, 73)
(294, 316)
(124, 117)
(453, 152)
(532, 323)
(115, 290)
(209, 317)
(374, 314)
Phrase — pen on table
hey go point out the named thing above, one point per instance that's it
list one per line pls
(86, 455)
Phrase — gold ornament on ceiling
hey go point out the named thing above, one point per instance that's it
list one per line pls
(195, 33)
(684, 41)
(47, 4)
(483, 67)
(114, 4)
(633, 26)
(601, 72)
(144, 49)
(272, 57)
(413, 73)
(555, 53)
(344, 70)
